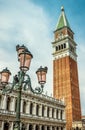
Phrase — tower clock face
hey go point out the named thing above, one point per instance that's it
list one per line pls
(60, 35)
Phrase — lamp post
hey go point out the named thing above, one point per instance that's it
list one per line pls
(21, 80)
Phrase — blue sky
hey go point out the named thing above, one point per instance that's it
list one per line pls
(32, 22)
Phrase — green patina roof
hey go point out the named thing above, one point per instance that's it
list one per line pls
(62, 22)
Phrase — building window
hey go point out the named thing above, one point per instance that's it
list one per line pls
(52, 113)
(42, 110)
(57, 113)
(6, 126)
(23, 127)
(15, 104)
(30, 127)
(61, 114)
(48, 111)
(53, 128)
(61, 128)
(24, 107)
(56, 48)
(64, 45)
(42, 127)
(48, 128)
(37, 110)
(77, 128)
(37, 127)
(57, 128)
(8, 104)
(72, 48)
(59, 47)
(31, 108)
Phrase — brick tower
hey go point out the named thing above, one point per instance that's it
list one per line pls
(65, 73)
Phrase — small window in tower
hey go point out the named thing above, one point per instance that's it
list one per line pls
(56, 48)
(59, 47)
(60, 35)
(64, 45)
(72, 48)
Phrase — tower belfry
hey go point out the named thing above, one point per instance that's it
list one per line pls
(65, 73)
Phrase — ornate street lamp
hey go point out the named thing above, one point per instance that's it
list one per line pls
(22, 80)
(5, 74)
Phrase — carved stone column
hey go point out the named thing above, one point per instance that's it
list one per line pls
(59, 111)
(55, 113)
(45, 127)
(28, 107)
(21, 106)
(40, 110)
(45, 113)
(63, 115)
(34, 108)
(50, 127)
(40, 127)
(34, 126)
(50, 115)
(11, 126)
(2, 126)
(27, 127)
(12, 103)
(4, 102)
(59, 128)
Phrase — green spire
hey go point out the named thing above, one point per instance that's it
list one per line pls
(62, 22)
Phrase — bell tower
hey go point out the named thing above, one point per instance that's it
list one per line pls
(65, 72)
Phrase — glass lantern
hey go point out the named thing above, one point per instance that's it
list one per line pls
(41, 75)
(5, 74)
(25, 60)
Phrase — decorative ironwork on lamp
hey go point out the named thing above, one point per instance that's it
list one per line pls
(20, 80)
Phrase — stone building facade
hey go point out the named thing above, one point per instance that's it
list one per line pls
(79, 125)
(38, 112)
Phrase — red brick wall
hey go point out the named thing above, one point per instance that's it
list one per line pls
(65, 85)
(64, 31)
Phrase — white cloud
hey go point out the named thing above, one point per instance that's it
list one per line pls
(22, 22)
(81, 72)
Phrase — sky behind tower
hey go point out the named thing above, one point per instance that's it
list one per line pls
(32, 22)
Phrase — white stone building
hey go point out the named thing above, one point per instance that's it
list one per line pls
(38, 112)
